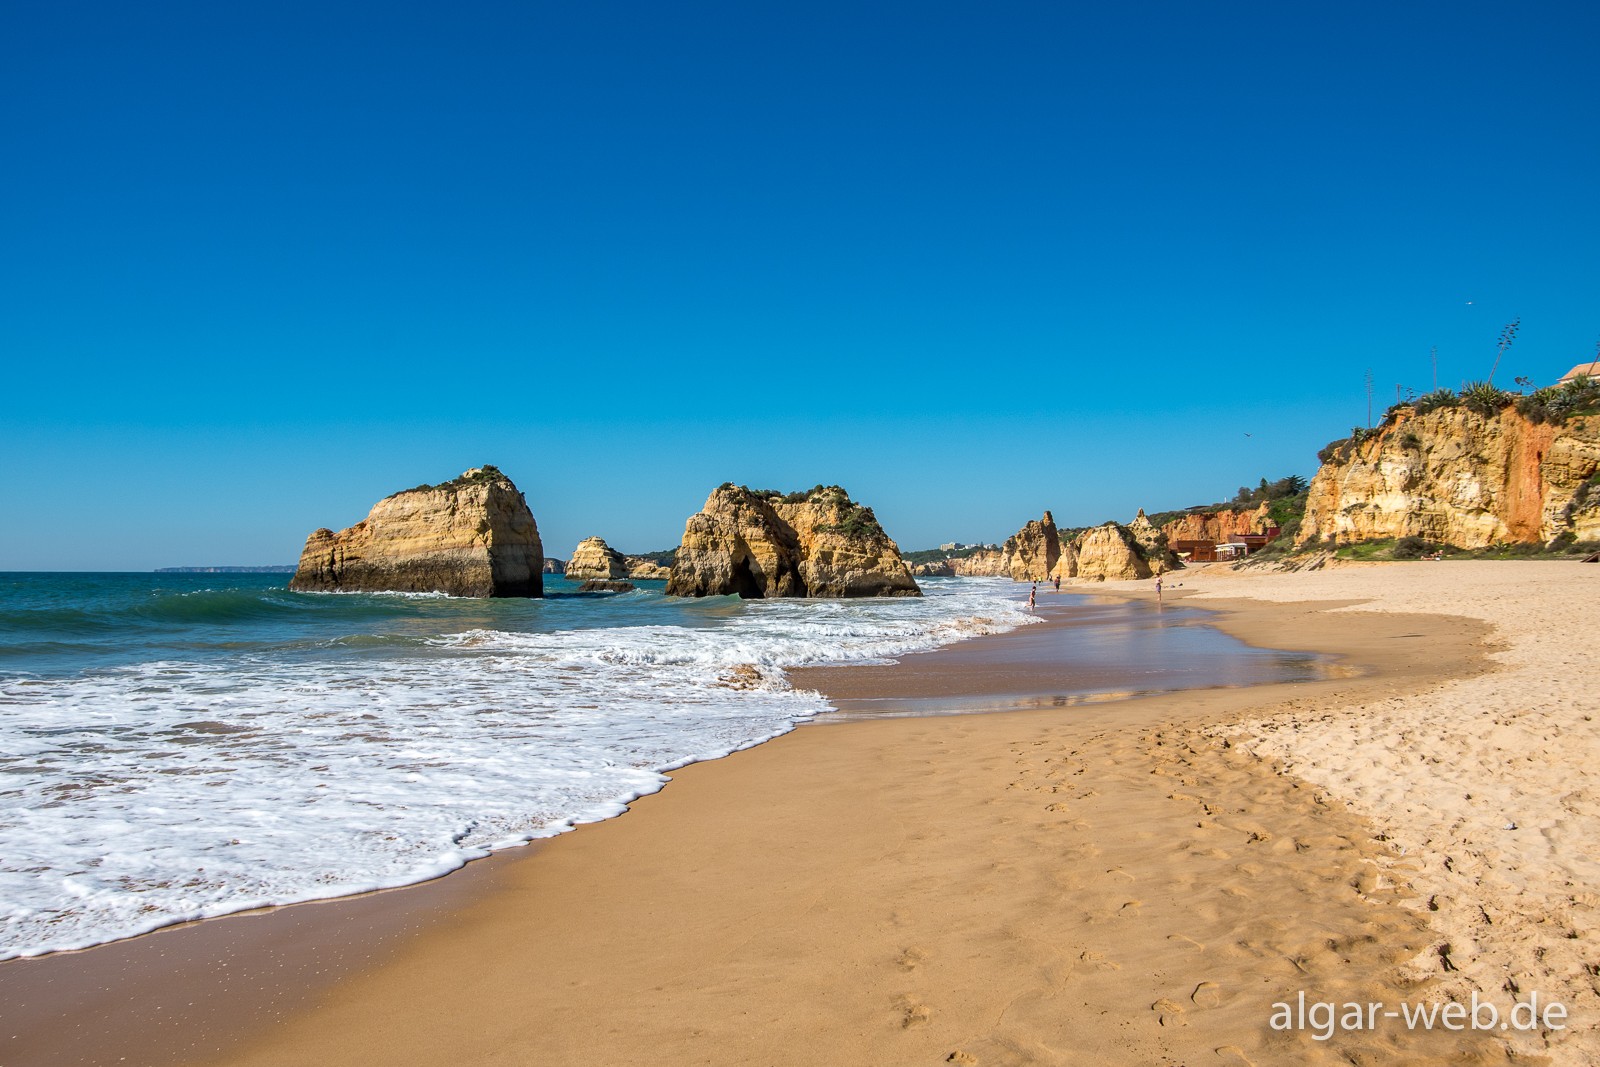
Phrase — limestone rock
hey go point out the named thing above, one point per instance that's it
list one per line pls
(1110, 553)
(938, 568)
(1033, 551)
(759, 545)
(984, 563)
(1458, 477)
(1153, 544)
(473, 536)
(1216, 525)
(648, 569)
(593, 558)
(606, 585)
(554, 566)
(1067, 565)
(1029, 555)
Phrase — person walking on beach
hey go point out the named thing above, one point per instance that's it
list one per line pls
(1158, 587)
(1058, 583)
(1033, 596)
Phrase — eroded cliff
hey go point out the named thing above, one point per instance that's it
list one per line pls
(472, 536)
(1461, 477)
(1217, 525)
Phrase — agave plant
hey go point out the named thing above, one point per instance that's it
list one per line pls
(1439, 398)
(1484, 398)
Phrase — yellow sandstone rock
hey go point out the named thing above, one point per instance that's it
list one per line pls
(593, 558)
(473, 536)
(760, 545)
(1459, 477)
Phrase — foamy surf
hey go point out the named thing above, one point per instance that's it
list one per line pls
(247, 746)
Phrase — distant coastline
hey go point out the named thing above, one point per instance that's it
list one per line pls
(285, 569)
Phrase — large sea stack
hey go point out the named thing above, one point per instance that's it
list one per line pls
(759, 545)
(1461, 475)
(473, 536)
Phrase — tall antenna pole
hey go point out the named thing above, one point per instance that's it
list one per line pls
(1369, 398)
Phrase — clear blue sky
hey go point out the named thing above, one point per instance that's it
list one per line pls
(261, 265)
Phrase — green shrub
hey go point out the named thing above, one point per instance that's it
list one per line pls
(1410, 548)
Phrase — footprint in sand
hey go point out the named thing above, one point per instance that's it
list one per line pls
(1186, 937)
(1207, 995)
(913, 1013)
(1121, 873)
(965, 1059)
(1130, 907)
(1099, 959)
(1168, 1012)
(1234, 1051)
(911, 958)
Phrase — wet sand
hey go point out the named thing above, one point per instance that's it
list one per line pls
(1109, 882)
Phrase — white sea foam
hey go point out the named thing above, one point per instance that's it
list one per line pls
(135, 797)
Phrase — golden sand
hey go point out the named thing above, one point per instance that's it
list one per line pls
(1133, 882)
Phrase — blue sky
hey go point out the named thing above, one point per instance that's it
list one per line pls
(263, 265)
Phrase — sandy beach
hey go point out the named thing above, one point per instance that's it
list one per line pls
(1128, 882)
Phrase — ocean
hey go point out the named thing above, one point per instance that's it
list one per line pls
(176, 746)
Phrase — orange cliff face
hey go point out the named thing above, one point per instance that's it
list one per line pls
(1216, 526)
(1458, 477)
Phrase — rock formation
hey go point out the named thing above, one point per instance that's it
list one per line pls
(593, 558)
(1110, 553)
(1032, 552)
(1029, 555)
(1459, 477)
(1067, 565)
(606, 585)
(984, 563)
(644, 568)
(1216, 525)
(472, 536)
(1153, 544)
(554, 566)
(1037, 553)
(759, 545)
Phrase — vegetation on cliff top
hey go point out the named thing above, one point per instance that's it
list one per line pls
(1285, 497)
(854, 519)
(1553, 404)
(476, 476)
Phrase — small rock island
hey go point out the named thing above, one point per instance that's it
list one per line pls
(594, 559)
(758, 544)
(472, 536)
